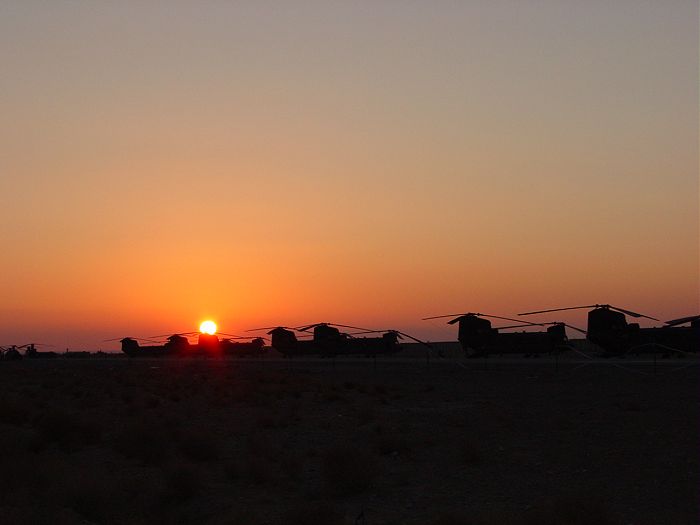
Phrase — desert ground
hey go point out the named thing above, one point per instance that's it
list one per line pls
(352, 441)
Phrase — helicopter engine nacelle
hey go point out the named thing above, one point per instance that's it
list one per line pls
(391, 341)
(608, 329)
(283, 340)
(474, 333)
(177, 343)
(323, 332)
(557, 332)
(208, 343)
(129, 346)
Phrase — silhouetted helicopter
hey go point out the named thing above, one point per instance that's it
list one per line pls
(207, 345)
(479, 339)
(32, 353)
(329, 341)
(608, 328)
(285, 340)
(10, 353)
(685, 338)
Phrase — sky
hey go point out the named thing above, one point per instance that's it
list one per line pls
(365, 163)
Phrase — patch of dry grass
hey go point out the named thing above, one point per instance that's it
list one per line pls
(348, 470)
(182, 483)
(570, 509)
(199, 446)
(143, 441)
(66, 429)
(310, 513)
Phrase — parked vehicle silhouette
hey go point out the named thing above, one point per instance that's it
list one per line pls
(608, 328)
(479, 339)
(329, 341)
(178, 345)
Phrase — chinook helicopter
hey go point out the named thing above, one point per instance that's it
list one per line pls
(608, 328)
(479, 339)
(32, 353)
(329, 341)
(208, 344)
(685, 338)
(12, 352)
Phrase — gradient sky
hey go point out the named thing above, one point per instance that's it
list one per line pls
(366, 163)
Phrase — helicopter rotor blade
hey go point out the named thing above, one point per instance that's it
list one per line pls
(504, 318)
(682, 320)
(442, 316)
(348, 326)
(413, 338)
(129, 337)
(632, 314)
(575, 328)
(184, 334)
(305, 328)
(399, 334)
(560, 309)
(457, 316)
(251, 337)
(525, 325)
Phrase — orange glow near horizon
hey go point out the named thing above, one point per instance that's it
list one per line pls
(324, 161)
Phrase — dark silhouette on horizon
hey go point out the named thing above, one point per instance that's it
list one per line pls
(329, 341)
(207, 345)
(478, 338)
(608, 328)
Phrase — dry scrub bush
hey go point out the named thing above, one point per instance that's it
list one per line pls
(14, 411)
(366, 414)
(305, 513)
(481, 518)
(291, 466)
(261, 471)
(93, 495)
(570, 510)
(469, 453)
(232, 470)
(348, 470)
(147, 443)
(31, 514)
(199, 447)
(182, 483)
(333, 396)
(24, 474)
(68, 431)
(380, 390)
(392, 444)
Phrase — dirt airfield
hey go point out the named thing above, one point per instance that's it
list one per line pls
(399, 441)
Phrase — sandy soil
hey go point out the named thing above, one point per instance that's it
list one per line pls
(246, 442)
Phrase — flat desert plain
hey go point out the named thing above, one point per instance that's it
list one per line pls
(503, 441)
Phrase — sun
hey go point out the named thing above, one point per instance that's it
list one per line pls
(208, 327)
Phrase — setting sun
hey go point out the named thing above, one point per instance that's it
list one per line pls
(208, 327)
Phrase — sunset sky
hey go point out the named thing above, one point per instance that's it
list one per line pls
(366, 163)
